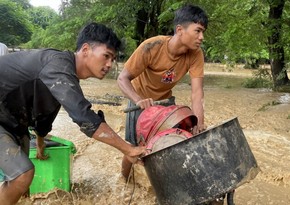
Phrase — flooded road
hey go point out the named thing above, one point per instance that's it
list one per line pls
(96, 175)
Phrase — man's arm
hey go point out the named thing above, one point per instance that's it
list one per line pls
(124, 82)
(197, 102)
(106, 135)
(40, 146)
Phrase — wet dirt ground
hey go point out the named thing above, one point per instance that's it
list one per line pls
(264, 117)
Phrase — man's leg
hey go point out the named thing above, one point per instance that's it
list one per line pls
(11, 191)
(16, 169)
(126, 168)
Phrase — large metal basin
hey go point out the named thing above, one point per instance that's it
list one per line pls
(202, 168)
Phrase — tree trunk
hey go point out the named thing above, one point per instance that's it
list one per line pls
(276, 49)
(153, 26)
(141, 21)
(147, 24)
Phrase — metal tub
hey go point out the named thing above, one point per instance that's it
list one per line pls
(202, 168)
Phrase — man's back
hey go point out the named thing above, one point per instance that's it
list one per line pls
(27, 82)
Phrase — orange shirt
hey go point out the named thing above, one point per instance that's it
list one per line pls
(156, 72)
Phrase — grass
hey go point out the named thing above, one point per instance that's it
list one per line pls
(261, 79)
(267, 105)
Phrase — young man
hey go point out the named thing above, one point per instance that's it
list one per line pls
(159, 63)
(33, 87)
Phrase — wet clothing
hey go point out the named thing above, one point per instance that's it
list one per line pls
(13, 156)
(34, 85)
(156, 72)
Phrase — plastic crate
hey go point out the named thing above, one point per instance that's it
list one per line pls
(55, 172)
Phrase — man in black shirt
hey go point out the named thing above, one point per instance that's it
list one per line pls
(34, 85)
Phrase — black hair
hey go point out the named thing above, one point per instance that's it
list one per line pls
(190, 14)
(98, 33)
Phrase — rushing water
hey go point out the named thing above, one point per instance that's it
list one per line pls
(284, 98)
(96, 166)
(220, 81)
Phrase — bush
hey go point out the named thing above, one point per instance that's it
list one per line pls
(261, 79)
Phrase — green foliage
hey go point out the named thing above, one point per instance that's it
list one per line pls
(36, 39)
(261, 79)
(61, 33)
(237, 30)
(286, 29)
(14, 26)
(41, 16)
(267, 105)
(24, 4)
(257, 83)
(167, 16)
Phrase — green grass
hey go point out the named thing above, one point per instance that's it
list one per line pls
(267, 105)
(261, 79)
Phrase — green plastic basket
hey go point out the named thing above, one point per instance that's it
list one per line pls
(55, 172)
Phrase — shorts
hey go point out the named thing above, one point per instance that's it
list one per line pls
(131, 121)
(14, 157)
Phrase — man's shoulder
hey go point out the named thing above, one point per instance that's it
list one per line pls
(157, 38)
(155, 42)
(49, 55)
(52, 51)
(39, 52)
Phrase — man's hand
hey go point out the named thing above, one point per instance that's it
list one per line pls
(40, 146)
(107, 135)
(198, 129)
(145, 103)
(135, 153)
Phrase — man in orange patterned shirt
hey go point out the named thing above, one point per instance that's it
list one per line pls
(159, 63)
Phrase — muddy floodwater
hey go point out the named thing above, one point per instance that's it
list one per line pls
(263, 115)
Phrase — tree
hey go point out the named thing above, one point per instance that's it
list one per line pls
(41, 16)
(24, 4)
(147, 22)
(249, 31)
(276, 47)
(14, 26)
(242, 31)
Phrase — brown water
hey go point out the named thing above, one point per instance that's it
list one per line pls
(96, 167)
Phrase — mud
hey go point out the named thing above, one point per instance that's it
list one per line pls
(96, 175)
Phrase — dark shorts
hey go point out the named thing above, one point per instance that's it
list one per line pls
(131, 121)
(14, 159)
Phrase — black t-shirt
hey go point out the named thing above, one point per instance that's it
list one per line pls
(35, 84)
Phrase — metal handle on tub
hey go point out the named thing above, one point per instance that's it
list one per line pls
(137, 107)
